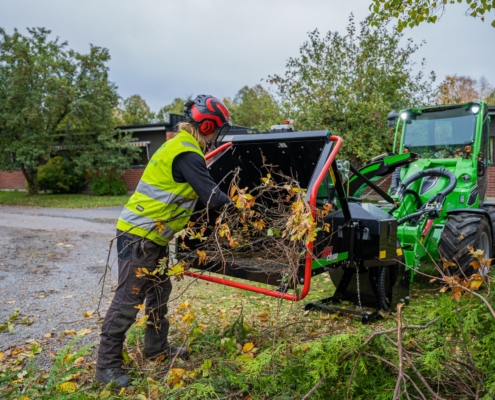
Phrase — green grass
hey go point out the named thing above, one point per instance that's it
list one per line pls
(15, 198)
(279, 351)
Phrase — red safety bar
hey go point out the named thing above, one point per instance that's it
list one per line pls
(218, 150)
(309, 258)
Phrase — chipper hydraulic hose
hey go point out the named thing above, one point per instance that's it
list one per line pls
(438, 198)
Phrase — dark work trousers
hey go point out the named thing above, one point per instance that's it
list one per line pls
(135, 252)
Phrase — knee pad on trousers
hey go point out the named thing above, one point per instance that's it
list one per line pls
(122, 321)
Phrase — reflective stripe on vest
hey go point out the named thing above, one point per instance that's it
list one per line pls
(158, 197)
(165, 197)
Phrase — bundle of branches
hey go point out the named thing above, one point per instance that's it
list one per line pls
(267, 227)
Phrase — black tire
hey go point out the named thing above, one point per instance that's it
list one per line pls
(463, 230)
(491, 211)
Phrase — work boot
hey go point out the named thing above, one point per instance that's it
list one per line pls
(180, 351)
(117, 375)
(170, 352)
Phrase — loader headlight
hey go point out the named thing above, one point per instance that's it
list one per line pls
(475, 108)
(404, 115)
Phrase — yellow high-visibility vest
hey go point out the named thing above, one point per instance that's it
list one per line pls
(158, 197)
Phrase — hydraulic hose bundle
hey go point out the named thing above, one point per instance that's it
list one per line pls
(438, 198)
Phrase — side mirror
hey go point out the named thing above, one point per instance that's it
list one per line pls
(391, 118)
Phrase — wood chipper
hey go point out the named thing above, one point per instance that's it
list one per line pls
(355, 242)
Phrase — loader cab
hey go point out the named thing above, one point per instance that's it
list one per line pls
(441, 132)
(445, 132)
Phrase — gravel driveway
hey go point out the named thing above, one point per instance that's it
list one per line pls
(51, 261)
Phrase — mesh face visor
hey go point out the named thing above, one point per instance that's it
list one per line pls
(224, 129)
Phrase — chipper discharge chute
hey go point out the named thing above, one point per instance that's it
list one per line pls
(356, 242)
(437, 189)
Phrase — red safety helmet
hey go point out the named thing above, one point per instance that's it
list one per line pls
(208, 114)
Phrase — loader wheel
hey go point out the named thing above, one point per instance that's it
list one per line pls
(491, 211)
(463, 230)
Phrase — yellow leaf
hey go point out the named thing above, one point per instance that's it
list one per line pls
(78, 360)
(176, 271)
(67, 387)
(479, 254)
(184, 306)
(140, 306)
(1, 355)
(183, 246)
(88, 314)
(139, 272)
(224, 230)
(188, 318)
(176, 374)
(446, 263)
(84, 332)
(263, 315)
(105, 394)
(202, 257)
(70, 332)
(145, 271)
(247, 347)
(48, 335)
(160, 226)
(474, 282)
(122, 391)
(142, 320)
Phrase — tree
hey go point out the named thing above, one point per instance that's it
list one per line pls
(176, 107)
(51, 96)
(135, 111)
(350, 83)
(255, 108)
(413, 12)
(462, 89)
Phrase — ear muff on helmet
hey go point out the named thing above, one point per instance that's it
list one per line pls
(207, 127)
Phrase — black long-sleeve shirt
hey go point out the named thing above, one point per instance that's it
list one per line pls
(191, 167)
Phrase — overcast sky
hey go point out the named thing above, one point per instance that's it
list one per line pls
(162, 49)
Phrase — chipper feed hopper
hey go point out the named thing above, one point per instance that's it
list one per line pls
(439, 180)
(359, 247)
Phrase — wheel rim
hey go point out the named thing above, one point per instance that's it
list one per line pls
(484, 244)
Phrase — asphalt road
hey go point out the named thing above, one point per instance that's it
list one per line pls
(51, 262)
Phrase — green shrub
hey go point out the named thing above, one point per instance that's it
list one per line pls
(59, 176)
(107, 185)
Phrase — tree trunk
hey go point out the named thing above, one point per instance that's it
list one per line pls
(31, 175)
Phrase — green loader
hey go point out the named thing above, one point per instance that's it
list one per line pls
(438, 187)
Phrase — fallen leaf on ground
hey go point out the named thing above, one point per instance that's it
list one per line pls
(247, 347)
(84, 332)
(88, 314)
